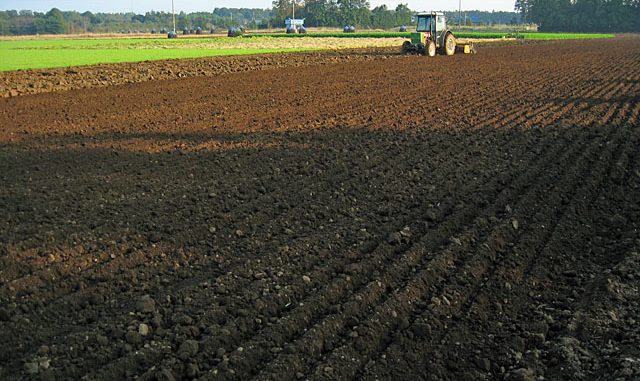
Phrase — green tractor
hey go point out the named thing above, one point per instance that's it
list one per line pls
(432, 36)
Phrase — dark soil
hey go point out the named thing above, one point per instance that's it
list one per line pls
(20, 82)
(394, 217)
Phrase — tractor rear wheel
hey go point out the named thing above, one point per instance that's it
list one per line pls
(449, 45)
(431, 49)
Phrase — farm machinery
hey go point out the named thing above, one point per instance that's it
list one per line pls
(432, 36)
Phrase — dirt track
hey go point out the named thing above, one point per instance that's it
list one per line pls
(470, 217)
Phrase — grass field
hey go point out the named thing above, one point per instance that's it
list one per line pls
(37, 53)
(49, 53)
(535, 36)
(33, 54)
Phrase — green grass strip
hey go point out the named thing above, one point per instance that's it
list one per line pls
(333, 34)
(38, 54)
(564, 36)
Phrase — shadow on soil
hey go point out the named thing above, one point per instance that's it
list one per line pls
(240, 196)
(73, 189)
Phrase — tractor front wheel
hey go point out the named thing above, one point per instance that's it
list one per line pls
(449, 45)
(431, 49)
(406, 47)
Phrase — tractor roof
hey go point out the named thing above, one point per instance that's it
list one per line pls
(430, 14)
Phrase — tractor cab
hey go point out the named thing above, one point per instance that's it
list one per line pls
(431, 26)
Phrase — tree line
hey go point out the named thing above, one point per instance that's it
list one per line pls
(549, 15)
(582, 15)
(27, 22)
(338, 13)
(317, 13)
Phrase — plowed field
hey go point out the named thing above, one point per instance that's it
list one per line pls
(394, 217)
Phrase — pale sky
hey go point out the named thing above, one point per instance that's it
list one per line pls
(142, 6)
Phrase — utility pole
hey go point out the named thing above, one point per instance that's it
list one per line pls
(173, 15)
(459, 14)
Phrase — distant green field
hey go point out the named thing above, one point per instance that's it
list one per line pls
(483, 35)
(51, 53)
(564, 36)
(533, 36)
(33, 54)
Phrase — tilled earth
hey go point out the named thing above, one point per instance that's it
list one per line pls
(20, 82)
(466, 217)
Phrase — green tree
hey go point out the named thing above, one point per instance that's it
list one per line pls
(381, 17)
(4, 23)
(523, 7)
(353, 12)
(54, 22)
(283, 9)
(86, 21)
(403, 14)
(321, 13)
(582, 15)
(181, 21)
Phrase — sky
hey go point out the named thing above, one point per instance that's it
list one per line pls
(142, 6)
